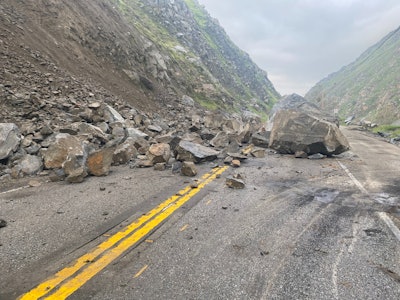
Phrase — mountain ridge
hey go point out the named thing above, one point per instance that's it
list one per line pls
(367, 88)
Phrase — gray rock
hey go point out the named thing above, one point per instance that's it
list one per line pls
(10, 139)
(189, 151)
(261, 139)
(74, 168)
(235, 183)
(63, 145)
(30, 165)
(111, 115)
(294, 131)
(124, 152)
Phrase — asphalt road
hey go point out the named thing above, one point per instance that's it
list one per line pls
(301, 229)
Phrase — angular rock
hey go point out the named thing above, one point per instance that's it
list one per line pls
(258, 153)
(74, 168)
(124, 152)
(10, 139)
(111, 115)
(189, 169)
(294, 131)
(235, 183)
(189, 151)
(90, 130)
(30, 165)
(63, 145)
(261, 139)
(159, 153)
(237, 156)
(136, 133)
(77, 175)
(99, 162)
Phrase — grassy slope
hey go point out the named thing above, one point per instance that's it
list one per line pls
(369, 87)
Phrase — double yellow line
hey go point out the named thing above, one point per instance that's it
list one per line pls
(68, 280)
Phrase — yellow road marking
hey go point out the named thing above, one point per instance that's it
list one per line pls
(184, 228)
(115, 246)
(141, 271)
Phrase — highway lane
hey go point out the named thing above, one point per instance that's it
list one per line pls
(301, 229)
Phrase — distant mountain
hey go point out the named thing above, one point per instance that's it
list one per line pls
(367, 88)
(148, 52)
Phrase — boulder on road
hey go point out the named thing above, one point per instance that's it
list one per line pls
(9, 139)
(295, 131)
(159, 153)
(63, 145)
(189, 169)
(189, 151)
(99, 162)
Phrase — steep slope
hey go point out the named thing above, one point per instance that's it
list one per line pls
(148, 53)
(367, 88)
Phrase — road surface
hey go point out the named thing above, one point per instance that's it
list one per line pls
(301, 229)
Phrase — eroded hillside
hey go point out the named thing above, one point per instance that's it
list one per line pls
(146, 53)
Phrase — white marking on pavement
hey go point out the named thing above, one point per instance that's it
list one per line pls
(384, 216)
(352, 177)
(396, 231)
(14, 190)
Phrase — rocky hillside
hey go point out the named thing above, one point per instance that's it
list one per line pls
(367, 88)
(89, 84)
(147, 53)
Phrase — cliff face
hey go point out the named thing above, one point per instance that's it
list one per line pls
(367, 88)
(148, 53)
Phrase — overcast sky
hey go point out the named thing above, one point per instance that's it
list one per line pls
(299, 42)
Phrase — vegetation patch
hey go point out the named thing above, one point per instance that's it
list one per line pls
(393, 130)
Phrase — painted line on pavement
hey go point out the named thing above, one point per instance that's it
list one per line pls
(384, 216)
(70, 279)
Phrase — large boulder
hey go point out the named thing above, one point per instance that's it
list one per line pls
(189, 151)
(64, 145)
(9, 139)
(294, 131)
(99, 162)
(159, 153)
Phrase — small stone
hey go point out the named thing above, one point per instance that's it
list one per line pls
(3, 223)
(194, 185)
(188, 169)
(102, 188)
(235, 163)
(235, 183)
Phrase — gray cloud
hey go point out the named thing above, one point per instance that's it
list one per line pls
(298, 42)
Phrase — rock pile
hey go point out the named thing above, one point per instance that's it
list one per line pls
(103, 137)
